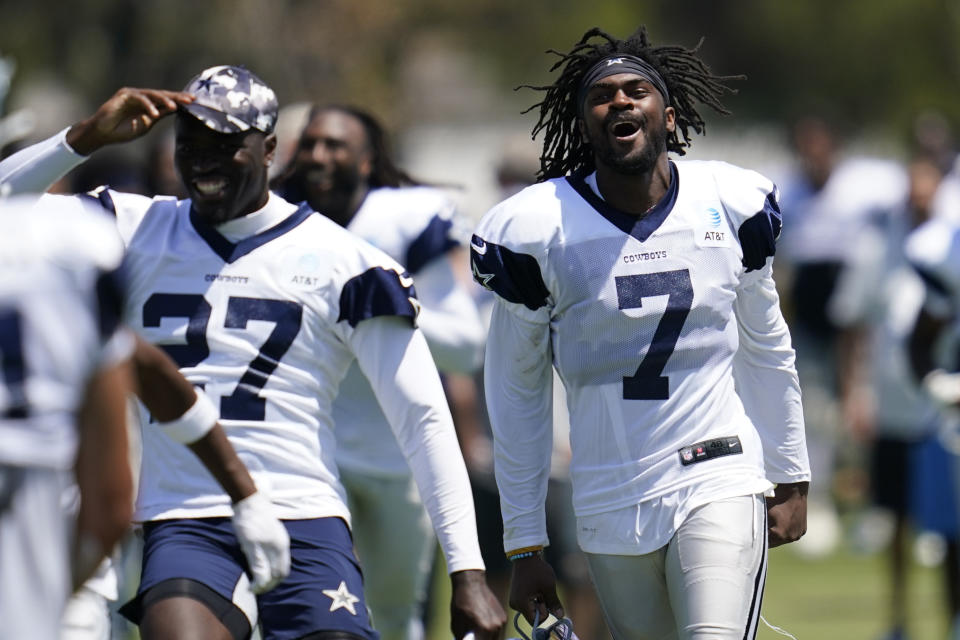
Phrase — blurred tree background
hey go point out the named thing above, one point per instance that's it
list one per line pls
(873, 63)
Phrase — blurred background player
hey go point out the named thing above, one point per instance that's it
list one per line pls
(262, 286)
(828, 199)
(876, 301)
(343, 168)
(647, 284)
(62, 408)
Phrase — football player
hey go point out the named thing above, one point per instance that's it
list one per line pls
(62, 264)
(646, 282)
(342, 167)
(265, 304)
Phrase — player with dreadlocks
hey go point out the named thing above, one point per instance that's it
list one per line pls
(647, 283)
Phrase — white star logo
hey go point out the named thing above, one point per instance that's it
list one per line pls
(483, 278)
(342, 598)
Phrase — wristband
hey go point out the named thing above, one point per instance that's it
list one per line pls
(524, 552)
(195, 423)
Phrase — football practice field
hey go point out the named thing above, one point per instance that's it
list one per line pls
(839, 597)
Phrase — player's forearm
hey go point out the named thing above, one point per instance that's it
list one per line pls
(220, 458)
(398, 364)
(102, 470)
(35, 168)
(767, 383)
(518, 379)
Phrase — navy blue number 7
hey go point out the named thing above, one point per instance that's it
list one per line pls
(245, 402)
(648, 383)
(12, 365)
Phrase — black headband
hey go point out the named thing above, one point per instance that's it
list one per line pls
(614, 64)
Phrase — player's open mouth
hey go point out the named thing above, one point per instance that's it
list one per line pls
(210, 186)
(625, 130)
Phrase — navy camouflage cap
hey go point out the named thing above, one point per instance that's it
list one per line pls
(232, 99)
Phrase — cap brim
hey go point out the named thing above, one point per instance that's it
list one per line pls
(216, 120)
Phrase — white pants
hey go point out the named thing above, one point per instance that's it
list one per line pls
(706, 583)
(34, 556)
(395, 544)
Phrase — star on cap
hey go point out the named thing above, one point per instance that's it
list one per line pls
(204, 83)
(342, 598)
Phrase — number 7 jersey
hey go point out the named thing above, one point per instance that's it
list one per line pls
(665, 331)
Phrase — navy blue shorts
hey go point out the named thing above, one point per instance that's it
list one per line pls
(201, 559)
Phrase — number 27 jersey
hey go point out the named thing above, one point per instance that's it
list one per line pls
(265, 326)
(642, 319)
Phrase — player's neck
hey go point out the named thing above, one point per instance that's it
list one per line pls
(341, 207)
(634, 194)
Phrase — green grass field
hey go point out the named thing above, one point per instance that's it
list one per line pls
(840, 597)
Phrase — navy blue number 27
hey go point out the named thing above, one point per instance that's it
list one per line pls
(245, 402)
(649, 383)
(13, 370)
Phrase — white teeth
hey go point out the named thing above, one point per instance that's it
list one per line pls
(210, 186)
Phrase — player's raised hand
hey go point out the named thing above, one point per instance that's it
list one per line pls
(127, 115)
(533, 589)
(474, 610)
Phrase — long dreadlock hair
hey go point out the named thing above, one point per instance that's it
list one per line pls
(687, 77)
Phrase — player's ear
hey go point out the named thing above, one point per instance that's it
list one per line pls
(269, 149)
(670, 119)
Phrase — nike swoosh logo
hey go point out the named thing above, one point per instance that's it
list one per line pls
(479, 246)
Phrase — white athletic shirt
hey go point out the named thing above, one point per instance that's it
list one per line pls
(666, 333)
(416, 227)
(266, 313)
(60, 298)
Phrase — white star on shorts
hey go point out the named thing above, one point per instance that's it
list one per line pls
(342, 598)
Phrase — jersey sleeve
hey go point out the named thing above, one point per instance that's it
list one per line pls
(396, 360)
(378, 291)
(518, 380)
(35, 168)
(518, 372)
(752, 202)
(766, 378)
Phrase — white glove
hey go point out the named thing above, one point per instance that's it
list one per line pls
(264, 541)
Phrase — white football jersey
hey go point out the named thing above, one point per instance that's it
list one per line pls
(665, 331)
(60, 301)
(267, 337)
(415, 227)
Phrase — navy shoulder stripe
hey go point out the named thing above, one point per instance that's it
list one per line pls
(515, 277)
(377, 292)
(102, 197)
(111, 289)
(435, 240)
(758, 234)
